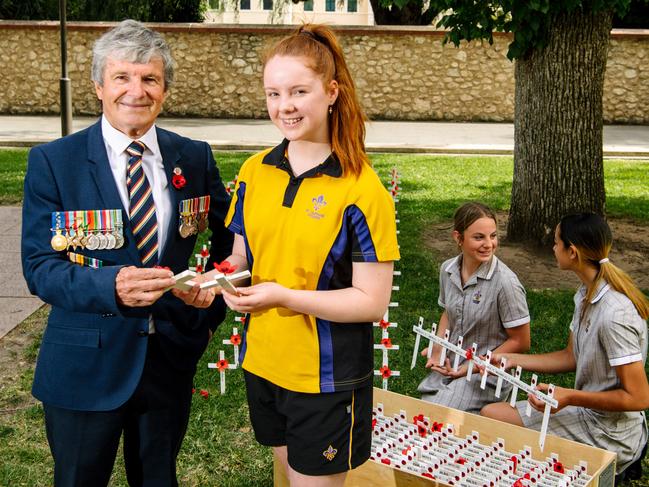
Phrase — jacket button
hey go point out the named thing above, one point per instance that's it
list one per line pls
(143, 333)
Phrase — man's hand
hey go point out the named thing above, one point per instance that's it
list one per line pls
(196, 297)
(138, 287)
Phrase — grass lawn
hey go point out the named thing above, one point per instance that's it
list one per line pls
(219, 449)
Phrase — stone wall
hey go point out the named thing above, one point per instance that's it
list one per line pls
(402, 73)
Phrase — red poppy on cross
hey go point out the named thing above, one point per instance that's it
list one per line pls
(225, 267)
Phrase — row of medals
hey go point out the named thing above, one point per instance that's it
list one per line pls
(191, 224)
(92, 240)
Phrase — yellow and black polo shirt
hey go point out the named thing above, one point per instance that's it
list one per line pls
(304, 233)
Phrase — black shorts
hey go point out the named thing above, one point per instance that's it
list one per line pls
(324, 433)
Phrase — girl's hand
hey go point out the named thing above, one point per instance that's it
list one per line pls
(510, 364)
(434, 357)
(256, 298)
(196, 297)
(561, 394)
(447, 371)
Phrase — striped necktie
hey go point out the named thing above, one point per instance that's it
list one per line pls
(144, 223)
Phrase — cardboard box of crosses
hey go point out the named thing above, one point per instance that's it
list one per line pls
(601, 463)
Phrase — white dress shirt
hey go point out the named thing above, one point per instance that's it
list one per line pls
(116, 143)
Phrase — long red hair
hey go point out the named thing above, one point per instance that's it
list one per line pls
(319, 46)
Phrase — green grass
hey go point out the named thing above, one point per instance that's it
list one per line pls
(219, 449)
(13, 164)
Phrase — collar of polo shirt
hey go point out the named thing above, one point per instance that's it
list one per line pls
(277, 157)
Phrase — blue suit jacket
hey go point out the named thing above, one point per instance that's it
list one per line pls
(93, 350)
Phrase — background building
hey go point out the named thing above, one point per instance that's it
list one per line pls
(333, 12)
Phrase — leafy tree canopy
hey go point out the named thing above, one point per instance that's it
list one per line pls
(636, 18)
(106, 10)
(528, 20)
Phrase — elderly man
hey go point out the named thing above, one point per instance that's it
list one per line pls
(110, 214)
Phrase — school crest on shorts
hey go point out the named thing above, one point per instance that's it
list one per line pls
(330, 453)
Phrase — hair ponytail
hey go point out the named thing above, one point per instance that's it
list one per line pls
(319, 45)
(622, 282)
(591, 237)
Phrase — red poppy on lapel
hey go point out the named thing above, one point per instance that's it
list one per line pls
(178, 180)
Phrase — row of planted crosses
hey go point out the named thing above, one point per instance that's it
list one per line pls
(385, 345)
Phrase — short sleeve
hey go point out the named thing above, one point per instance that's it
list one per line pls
(621, 340)
(372, 223)
(512, 304)
(234, 217)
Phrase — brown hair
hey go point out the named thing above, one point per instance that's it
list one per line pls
(468, 213)
(591, 237)
(319, 45)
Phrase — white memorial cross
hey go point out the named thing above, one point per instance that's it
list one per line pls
(385, 346)
(222, 365)
(235, 341)
(225, 281)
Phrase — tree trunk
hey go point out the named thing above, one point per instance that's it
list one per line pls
(558, 167)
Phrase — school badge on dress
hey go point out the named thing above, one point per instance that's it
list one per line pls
(87, 229)
(193, 215)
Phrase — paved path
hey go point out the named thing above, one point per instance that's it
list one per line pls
(16, 303)
(434, 137)
(382, 136)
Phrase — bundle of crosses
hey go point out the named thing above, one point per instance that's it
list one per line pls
(432, 450)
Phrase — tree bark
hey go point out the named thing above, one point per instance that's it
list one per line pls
(558, 166)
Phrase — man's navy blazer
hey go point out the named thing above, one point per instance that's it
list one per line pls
(93, 349)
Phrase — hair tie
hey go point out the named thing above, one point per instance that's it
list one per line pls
(604, 260)
(310, 34)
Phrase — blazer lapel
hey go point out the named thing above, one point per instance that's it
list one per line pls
(105, 182)
(170, 158)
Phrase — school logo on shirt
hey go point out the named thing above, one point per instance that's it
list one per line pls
(318, 203)
(477, 296)
(330, 453)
